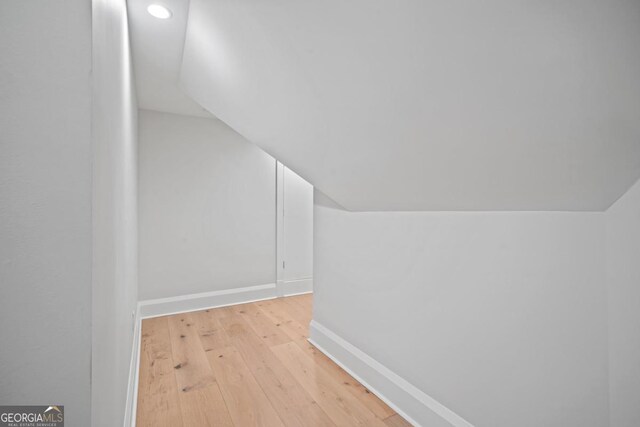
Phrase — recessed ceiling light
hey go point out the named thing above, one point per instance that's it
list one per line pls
(159, 11)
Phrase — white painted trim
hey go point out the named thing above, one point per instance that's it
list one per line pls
(131, 404)
(288, 288)
(204, 300)
(299, 293)
(411, 403)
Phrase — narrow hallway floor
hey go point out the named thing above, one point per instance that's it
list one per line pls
(247, 365)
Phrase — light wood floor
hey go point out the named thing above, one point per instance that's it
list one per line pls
(247, 365)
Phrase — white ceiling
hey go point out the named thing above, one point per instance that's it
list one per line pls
(420, 105)
(156, 46)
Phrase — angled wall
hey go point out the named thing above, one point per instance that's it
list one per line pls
(623, 286)
(426, 105)
(498, 316)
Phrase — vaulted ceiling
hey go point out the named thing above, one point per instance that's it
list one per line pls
(428, 105)
(157, 57)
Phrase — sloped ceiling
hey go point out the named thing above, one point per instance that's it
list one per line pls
(156, 47)
(430, 105)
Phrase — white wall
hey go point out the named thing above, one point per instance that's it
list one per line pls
(295, 232)
(298, 223)
(501, 317)
(623, 284)
(206, 206)
(114, 211)
(45, 205)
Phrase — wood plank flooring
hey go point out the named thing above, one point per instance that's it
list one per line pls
(248, 365)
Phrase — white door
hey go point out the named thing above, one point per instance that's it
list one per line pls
(295, 233)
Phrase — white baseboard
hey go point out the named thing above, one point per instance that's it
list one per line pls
(202, 301)
(407, 400)
(132, 385)
(295, 287)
